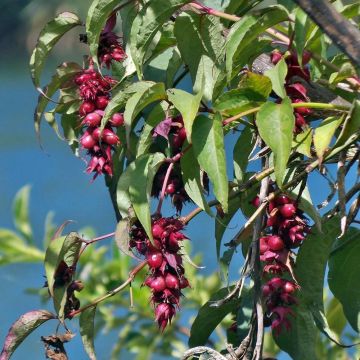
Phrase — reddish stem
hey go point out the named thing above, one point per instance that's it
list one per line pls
(89, 242)
(164, 185)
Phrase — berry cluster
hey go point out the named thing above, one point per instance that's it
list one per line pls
(174, 131)
(94, 91)
(286, 228)
(109, 46)
(295, 90)
(166, 278)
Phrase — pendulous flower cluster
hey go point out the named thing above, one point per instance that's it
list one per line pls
(286, 229)
(294, 89)
(94, 90)
(166, 276)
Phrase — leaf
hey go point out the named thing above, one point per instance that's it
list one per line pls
(302, 327)
(21, 213)
(122, 236)
(146, 24)
(122, 191)
(48, 37)
(138, 102)
(141, 181)
(241, 153)
(86, 323)
(302, 26)
(156, 115)
(23, 327)
(344, 268)
(277, 76)
(63, 249)
(64, 72)
(200, 44)
(324, 133)
(209, 317)
(245, 31)
(275, 123)
(14, 249)
(188, 105)
(302, 142)
(208, 144)
(190, 170)
(335, 316)
(309, 272)
(351, 125)
(98, 13)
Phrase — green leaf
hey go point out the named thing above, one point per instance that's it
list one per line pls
(209, 317)
(22, 328)
(201, 47)
(87, 331)
(277, 76)
(64, 72)
(208, 144)
(302, 327)
(241, 153)
(141, 181)
(302, 142)
(21, 213)
(192, 180)
(310, 270)
(98, 13)
(351, 125)
(122, 191)
(14, 249)
(275, 123)
(245, 31)
(122, 236)
(64, 248)
(48, 37)
(156, 115)
(344, 268)
(188, 105)
(138, 101)
(335, 316)
(302, 26)
(221, 222)
(324, 133)
(146, 24)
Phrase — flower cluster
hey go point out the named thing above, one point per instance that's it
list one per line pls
(295, 90)
(286, 229)
(95, 94)
(166, 277)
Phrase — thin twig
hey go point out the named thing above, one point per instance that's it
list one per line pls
(203, 350)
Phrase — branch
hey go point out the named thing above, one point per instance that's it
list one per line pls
(111, 292)
(345, 35)
(203, 350)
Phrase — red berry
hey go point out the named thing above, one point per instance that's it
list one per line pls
(92, 119)
(101, 102)
(287, 210)
(154, 259)
(158, 284)
(184, 283)
(117, 120)
(263, 245)
(276, 283)
(87, 141)
(255, 201)
(172, 282)
(96, 134)
(275, 243)
(157, 230)
(170, 189)
(282, 200)
(110, 137)
(289, 287)
(86, 107)
(266, 290)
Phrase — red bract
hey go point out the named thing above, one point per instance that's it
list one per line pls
(164, 313)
